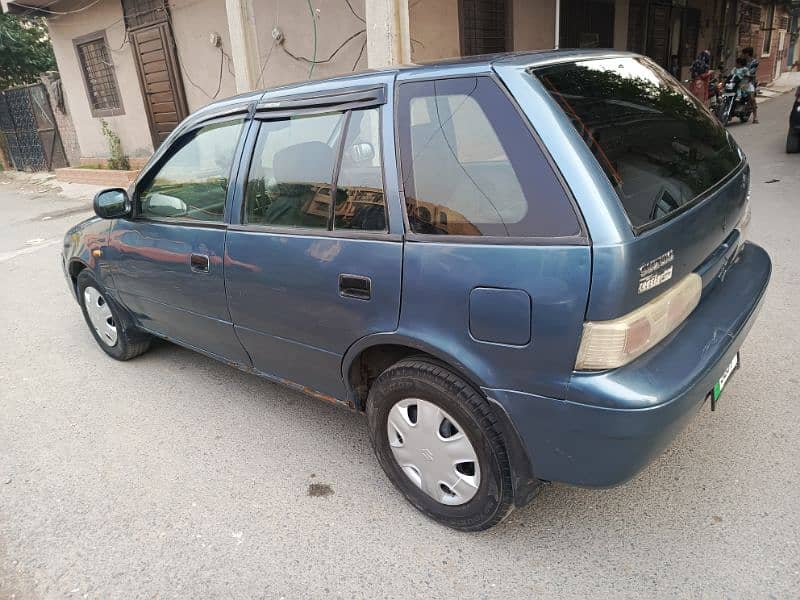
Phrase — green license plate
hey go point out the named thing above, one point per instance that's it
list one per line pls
(726, 375)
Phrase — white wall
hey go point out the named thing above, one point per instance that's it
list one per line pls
(131, 127)
(534, 24)
(434, 29)
(335, 23)
(193, 21)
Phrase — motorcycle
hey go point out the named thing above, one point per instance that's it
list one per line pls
(730, 104)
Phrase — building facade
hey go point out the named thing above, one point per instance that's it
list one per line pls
(140, 66)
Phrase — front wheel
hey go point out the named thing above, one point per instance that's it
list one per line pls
(793, 142)
(111, 327)
(725, 110)
(438, 442)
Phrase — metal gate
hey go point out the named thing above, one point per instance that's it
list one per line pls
(30, 130)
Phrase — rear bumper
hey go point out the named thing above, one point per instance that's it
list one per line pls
(615, 422)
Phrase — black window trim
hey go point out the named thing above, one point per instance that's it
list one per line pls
(321, 102)
(152, 170)
(330, 231)
(582, 238)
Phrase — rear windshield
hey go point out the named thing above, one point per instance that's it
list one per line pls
(658, 146)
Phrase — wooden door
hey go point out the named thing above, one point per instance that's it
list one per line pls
(160, 80)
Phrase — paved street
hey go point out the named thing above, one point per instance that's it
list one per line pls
(175, 476)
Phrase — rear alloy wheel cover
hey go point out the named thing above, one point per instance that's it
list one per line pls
(433, 451)
(100, 316)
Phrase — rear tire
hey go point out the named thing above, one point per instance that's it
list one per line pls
(112, 327)
(793, 142)
(473, 472)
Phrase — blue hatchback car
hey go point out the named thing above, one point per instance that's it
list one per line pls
(522, 268)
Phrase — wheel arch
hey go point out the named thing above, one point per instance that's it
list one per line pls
(370, 356)
(74, 268)
(383, 350)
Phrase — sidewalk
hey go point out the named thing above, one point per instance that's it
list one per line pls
(46, 183)
(785, 83)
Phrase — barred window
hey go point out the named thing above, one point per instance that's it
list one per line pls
(98, 75)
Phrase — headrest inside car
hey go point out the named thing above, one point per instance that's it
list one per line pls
(310, 162)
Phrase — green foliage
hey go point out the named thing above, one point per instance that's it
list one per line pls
(25, 50)
(118, 159)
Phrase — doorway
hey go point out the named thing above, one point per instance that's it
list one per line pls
(153, 45)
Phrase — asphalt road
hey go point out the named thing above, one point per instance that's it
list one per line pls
(176, 476)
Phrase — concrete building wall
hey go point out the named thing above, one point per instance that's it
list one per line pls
(335, 24)
(434, 29)
(193, 22)
(534, 24)
(131, 127)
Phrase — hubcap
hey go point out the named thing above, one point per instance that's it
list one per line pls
(433, 451)
(100, 316)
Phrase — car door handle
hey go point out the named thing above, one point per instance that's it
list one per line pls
(199, 263)
(355, 286)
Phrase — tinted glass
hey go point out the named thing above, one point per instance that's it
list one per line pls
(471, 166)
(193, 182)
(656, 143)
(289, 184)
(360, 201)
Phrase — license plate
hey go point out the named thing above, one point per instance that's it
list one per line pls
(720, 385)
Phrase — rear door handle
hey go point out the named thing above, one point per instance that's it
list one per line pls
(199, 263)
(355, 286)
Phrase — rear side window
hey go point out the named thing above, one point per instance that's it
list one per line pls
(292, 169)
(658, 146)
(290, 183)
(471, 166)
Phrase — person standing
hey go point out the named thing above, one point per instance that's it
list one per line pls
(700, 73)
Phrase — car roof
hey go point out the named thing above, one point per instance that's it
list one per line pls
(464, 64)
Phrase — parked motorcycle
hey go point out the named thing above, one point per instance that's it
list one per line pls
(730, 104)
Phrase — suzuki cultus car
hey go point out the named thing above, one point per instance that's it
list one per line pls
(522, 268)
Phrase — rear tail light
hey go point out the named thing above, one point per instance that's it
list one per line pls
(744, 223)
(612, 344)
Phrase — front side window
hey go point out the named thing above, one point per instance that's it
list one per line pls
(193, 182)
(471, 166)
(658, 146)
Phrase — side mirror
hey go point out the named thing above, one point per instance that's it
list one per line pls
(112, 203)
(164, 205)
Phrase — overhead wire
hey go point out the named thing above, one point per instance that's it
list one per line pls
(333, 54)
(57, 12)
(314, 21)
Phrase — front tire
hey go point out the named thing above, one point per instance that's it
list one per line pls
(438, 442)
(793, 142)
(112, 328)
